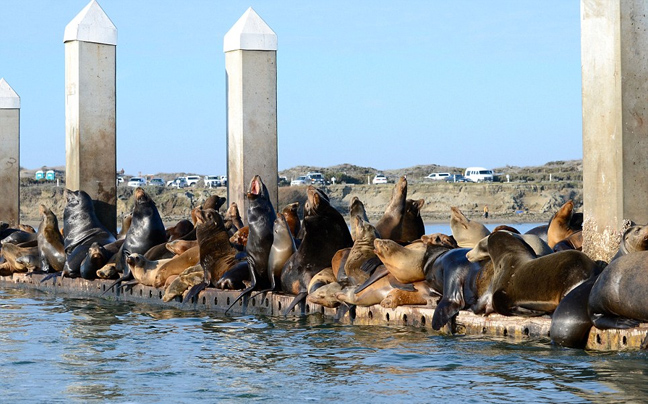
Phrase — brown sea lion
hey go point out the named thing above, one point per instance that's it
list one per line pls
(216, 253)
(177, 264)
(181, 229)
(283, 247)
(12, 254)
(517, 271)
(572, 242)
(480, 251)
(390, 225)
(325, 295)
(234, 216)
(403, 263)
(563, 223)
(361, 251)
(634, 239)
(144, 271)
(182, 283)
(339, 261)
(178, 247)
(398, 297)
(50, 242)
(126, 224)
(158, 252)
(439, 239)
(380, 291)
(467, 233)
(323, 277)
(356, 208)
(240, 238)
(27, 228)
(292, 218)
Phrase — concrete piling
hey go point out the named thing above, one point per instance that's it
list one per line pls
(9, 154)
(614, 51)
(90, 109)
(250, 48)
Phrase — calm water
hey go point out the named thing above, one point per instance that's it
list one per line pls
(445, 227)
(55, 349)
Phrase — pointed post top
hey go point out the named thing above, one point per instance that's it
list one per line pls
(91, 25)
(8, 97)
(250, 32)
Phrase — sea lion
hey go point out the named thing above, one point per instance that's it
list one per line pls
(439, 239)
(380, 290)
(361, 251)
(413, 227)
(27, 228)
(240, 238)
(517, 271)
(81, 228)
(466, 232)
(177, 264)
(159, 252)
(634, 239)
(181, 229)
(390, 225)
(480, 251)
(563, 223)
(213, 202)
(182, 283)
(357, 208)
(572, 242)
(146, 231)
(540, 231)
(325, 295)
(144, 271)
(178, 247)
(50, 242)
(403, 263)
(325, 232)
(12, 254)
(234, 216)
(283, 247)
(289, 212)
(570, 322)
(20, 237)
(338, 262)
(96, 258)
(619, 297)
(322, 278)
(507, 228)
(398, 297)
(126, 224)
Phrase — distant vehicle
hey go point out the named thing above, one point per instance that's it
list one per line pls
(192, 180)
(212, 181)
(136, 182)
(120, 179)
(223, 180)
(303, 180)
(316, 178)
(457, 178)
(478, 174)
(179, 182)
(157, 182)
(439, 176)
(379, 179)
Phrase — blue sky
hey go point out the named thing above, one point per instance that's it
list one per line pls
(385, 84)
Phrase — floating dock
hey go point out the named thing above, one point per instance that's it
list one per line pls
(274, 304)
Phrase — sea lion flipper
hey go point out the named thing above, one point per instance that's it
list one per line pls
(194, 291)
(395, 283)
(343, 309)
(52, 275)
(608, 322)
(299, 298)
(380, 272)
(443, 313)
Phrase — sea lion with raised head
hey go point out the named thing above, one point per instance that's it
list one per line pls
(290, 213)
(390, 225)
(361, 251)
(413, 227)
(283, 247)
(50, 242)
(563, 223)
(466, 232)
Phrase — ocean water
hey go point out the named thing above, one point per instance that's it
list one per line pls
(55, 349)
(444, 228)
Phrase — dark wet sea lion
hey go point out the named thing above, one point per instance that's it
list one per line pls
(291, 215)
(20, 237)
(283, 247)
(81, 228)
(213, 202)
(572, 242)
(413, 227)
(50, 242)
(517, 271)
(325, 232)
(619, 297)
(540, 231)
(95, 259)
(390, 225)
(181, 229)
(570, 322)
(466, 232)
(159, 252)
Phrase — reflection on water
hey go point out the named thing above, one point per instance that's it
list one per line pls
(55, 349)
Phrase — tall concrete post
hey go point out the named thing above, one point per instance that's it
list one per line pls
(614, 59)
(250, 48)
(9, 154)
(90, 110)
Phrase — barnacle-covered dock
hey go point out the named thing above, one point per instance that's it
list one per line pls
(274, 304)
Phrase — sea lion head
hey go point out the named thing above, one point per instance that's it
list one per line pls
(439, 239)
(384, 247)
(318, 200)
(233, 210)
(141, 197)
(636, 238)
(257, 189)
(280, 227)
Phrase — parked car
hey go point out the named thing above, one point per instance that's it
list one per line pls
(439, 176)
(478, 174)
(136, 182)
(157, 182)
(192, 180)
(303, 180)
(316, 178)
(179, 182)
(379, 179)
(223, 180)
(212, 181)
(120, 179)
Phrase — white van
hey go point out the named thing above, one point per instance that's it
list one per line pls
(478, 174)
(440, 177)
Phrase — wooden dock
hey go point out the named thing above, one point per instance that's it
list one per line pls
(274, 304)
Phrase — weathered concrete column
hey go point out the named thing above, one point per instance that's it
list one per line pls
(614, 53)
(250, 49)
(9, 154)
(90, 109)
